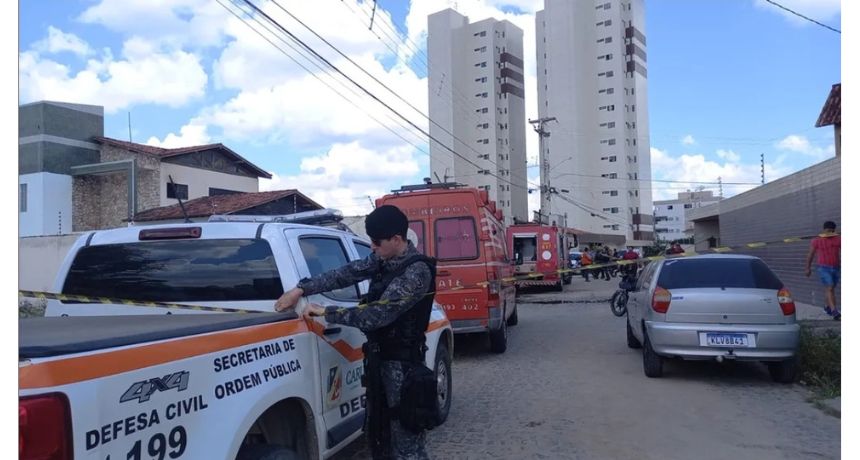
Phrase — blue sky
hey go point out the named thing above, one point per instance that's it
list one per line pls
(728, 80)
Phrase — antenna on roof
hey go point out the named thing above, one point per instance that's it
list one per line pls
(129, 126)
(181, 206)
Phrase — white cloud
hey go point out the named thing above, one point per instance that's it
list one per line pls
(800, 144)
(58, 41)
(820, 10)
(196, 23)
(347, 174)
(729, 155)
(690, 170)
(189, 135)
(688, 140)
(147, 75)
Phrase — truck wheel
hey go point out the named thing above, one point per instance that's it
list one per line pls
(783, 371)
(265, 452)
(499, 338)
(514, 319)
(652, 363)
(632, 341)
(442, 369)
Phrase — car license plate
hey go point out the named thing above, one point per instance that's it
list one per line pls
(728, 340)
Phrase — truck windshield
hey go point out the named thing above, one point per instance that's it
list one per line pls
(177, 271)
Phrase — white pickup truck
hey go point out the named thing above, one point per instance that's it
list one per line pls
(104, 380)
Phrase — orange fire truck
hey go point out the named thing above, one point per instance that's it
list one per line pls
(463, 230)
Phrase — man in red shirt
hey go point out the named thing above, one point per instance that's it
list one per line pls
(630, 269)
(827, 245)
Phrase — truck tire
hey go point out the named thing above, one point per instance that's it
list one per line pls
(783, 371)
(265, 452)
(514, 319)
(632, 341)
(652, 363)
(442, 369)
(499, 338)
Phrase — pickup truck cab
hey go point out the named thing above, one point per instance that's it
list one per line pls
(103, 379)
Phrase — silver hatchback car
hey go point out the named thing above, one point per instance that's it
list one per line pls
(713, 307)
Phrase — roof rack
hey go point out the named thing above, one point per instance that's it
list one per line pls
(319, 217)
(416, 187)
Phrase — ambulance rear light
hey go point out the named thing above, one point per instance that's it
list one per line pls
(44, 428)
(173, 233)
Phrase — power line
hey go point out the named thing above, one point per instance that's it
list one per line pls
(802, 16)
(328, 63)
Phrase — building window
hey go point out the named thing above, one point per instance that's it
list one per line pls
(612, 159)
(482, 49)
(688, 206)
(221, 191)
(22, 196)
(177, 191)
(669, 207)
(481, 80)
(481, 64)
(608, 22)
(482, 33)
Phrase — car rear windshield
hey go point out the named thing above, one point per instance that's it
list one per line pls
(176, 271)
(717, 273)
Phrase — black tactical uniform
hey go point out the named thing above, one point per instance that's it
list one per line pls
(395, 331)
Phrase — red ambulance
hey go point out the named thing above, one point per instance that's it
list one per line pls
(540, 251)
(463, 230)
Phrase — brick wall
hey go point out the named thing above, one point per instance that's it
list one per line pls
(102, 201)
(796, 205)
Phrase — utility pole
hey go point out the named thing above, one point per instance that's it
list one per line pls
(720, 181)
(543, 158)
(762, 169)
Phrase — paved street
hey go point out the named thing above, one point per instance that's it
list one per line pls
(568, 387)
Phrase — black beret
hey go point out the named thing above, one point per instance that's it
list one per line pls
(385, 222)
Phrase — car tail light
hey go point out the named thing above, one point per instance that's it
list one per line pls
(785, 301)
(661, 299)
(44, 428)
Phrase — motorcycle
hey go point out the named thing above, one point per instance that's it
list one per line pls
(618, 302)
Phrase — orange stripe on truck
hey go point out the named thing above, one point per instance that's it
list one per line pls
(71, 370)
(81, 368)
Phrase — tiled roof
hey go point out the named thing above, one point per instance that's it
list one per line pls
(831, 113)
(219, 204)
(167, 153)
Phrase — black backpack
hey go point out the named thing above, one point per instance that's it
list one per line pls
(418, 410)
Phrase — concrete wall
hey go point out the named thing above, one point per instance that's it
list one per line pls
(39, 258)
(795, 205)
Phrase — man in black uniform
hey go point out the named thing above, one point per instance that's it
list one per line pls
(401, 279)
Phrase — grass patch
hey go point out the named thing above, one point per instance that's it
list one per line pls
(820, 361)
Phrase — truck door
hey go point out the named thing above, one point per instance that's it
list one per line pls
(339, 346)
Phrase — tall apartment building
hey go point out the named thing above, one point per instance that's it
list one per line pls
(596, 162)
(476, 98)
(670, 221)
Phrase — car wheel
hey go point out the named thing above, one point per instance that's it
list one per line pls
(499, 338)
(265, 452)
(443, 383)
(652, 363)
(514, 319)
(783, 371)
(632, 341)
(618, 303)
